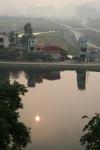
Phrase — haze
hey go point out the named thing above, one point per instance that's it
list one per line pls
(28, 3)
(50, 7)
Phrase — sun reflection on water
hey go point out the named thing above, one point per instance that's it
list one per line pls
(37, 118)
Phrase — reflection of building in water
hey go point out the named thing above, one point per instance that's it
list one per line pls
(34, 77)
(4, 75)
(31, 83)
(30, 78)
(52, 75)
(15, 74)
(81, 80)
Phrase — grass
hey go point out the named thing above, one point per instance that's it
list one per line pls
(55, 38)
(41, 25)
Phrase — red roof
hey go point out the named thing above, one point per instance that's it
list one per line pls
(52, 49)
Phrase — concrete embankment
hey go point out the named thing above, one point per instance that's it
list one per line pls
(52, 65)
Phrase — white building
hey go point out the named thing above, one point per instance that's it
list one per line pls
(32, 43)
(4, 41)
(82, 45)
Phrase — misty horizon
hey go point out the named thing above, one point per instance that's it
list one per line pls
(45, 8)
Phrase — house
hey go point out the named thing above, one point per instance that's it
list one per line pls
(28, 42)
(54, 51)
(32, 42)
(4, 40)
(82, 45)
(94, 55)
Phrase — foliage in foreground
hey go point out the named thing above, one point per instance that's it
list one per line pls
(91, 133)
(14, 135)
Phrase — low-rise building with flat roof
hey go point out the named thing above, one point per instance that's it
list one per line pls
(53, 51)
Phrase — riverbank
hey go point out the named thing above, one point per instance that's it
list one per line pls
(52, 65)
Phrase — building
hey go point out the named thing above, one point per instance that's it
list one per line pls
(94, 55)
(82, 45)
(28, 42)
(4, 41)
(32, 43)
(54, 51)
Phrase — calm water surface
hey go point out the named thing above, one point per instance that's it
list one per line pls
(60, 99)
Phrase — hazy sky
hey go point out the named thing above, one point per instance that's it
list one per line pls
(42, 2)
(58, 2)
(24, 6)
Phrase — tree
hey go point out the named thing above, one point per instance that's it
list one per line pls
(13, 37)
(91, 133)
(14, 135)
(28, 29)
(47, 57)
(28, 34)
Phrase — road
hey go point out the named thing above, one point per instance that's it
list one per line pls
(53, 65)
(77, 32)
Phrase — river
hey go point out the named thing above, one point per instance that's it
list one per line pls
(54, 105)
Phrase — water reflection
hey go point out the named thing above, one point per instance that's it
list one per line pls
(33, 77)
(37, 76)
(15, 74)
(54, 109)
(81, 79)
(37, 118)
(4, 74)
